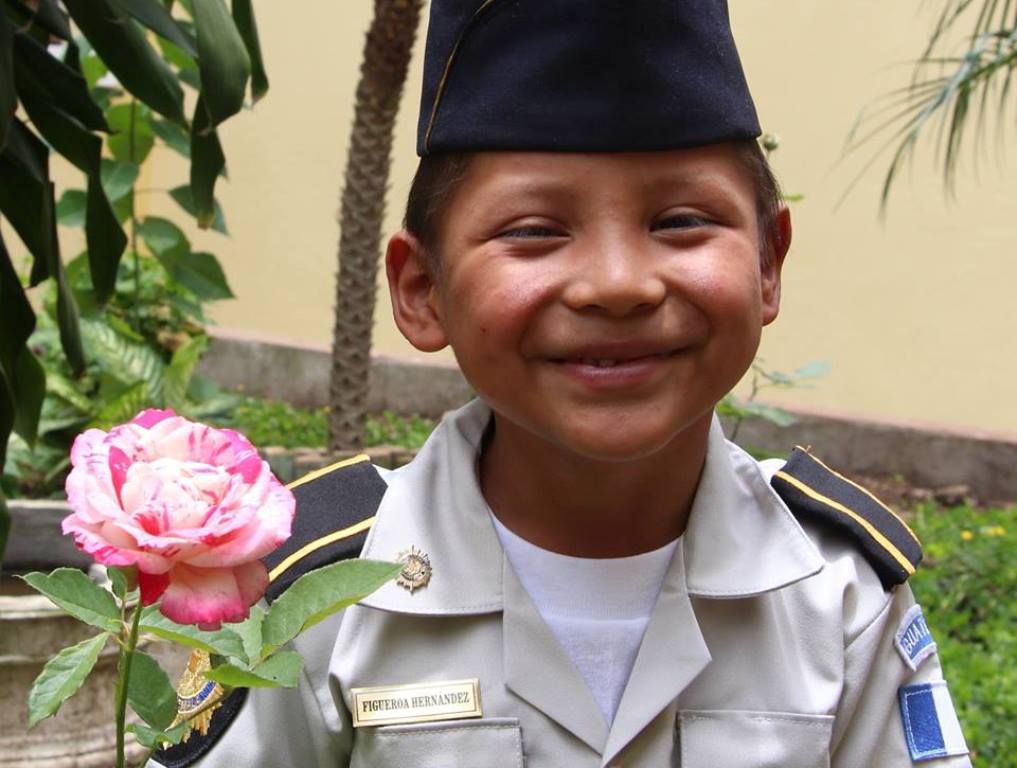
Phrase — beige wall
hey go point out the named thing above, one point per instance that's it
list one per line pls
(915, 314)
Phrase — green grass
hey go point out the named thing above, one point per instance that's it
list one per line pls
(967, 586)
(273, 422)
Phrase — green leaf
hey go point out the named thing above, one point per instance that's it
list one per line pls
(223, 642)
(122, 327)
(23, 178)
(123, 407)
(281, 670)
(207, 162)
(198, 271)
(60, 386)
(118, 178)
(8, 97)
(154, 739)
(40, 74)
(93, 71)
(79, 596)
(105, 238)
(175, 137)
(122, 46)
(322, 592)
(16, 316)
(49, 16)
(70, 208)
(24, 382)
(62, 676)
(150, 692)
(243, 15)
(28, 203)
(121, 144)
(181, 369)
(812, 370)
(157, 18)
(127, 360)
(162, 235)
(222, 59)
(186, 64)
(185, 200)
(65, 134)
(7, 441)
(29, 390)
(777, 416)
(117, 581)
(5, 514)
(249, 632)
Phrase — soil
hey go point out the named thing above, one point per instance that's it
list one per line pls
(898, 493)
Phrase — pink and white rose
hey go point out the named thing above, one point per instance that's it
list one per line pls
(193, 507)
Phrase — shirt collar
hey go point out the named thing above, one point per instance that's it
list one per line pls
(741, 539)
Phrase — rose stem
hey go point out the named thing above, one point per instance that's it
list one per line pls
(123, 681)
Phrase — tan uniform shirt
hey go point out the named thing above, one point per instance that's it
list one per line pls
(769, 645)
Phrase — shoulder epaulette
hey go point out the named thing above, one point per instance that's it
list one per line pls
(335, 510)
(814, 491)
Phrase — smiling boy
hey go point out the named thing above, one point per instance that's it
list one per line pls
(594, 575)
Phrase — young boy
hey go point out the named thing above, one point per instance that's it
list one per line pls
(594, 576)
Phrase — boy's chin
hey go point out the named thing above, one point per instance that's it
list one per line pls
(632, 441)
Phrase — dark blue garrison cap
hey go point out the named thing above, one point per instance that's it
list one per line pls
(581, 76)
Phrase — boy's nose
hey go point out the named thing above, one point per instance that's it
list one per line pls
(617, 281)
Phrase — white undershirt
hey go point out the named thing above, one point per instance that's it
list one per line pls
(597, 609)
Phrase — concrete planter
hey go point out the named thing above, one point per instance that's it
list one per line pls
(32, 629)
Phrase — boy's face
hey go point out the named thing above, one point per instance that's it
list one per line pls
(602, 302)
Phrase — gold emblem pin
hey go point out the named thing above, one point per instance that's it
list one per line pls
(197, 697)
(416, 572)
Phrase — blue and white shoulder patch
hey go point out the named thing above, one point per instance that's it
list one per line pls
(930, 722)
(913, 639)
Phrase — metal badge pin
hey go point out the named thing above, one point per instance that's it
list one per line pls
(197, 697)
(416, 572)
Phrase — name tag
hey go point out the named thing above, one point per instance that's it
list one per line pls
(416, 703)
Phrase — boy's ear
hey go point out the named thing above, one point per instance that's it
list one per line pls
(414, 293)
(778, 241)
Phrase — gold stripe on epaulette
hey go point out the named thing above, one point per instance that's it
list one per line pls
(884, 542)
(324, 541)
(330, 468)
(440, 90)
(864, 490)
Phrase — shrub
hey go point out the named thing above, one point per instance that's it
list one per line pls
(967, 587)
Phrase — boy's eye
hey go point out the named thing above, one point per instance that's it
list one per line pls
(530, 231)
(681, 221)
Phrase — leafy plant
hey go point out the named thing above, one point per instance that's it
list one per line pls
(273, 422)
(119, 85)
(241, 655)
(738, 409)
(947, 91)
(966, 586)
(127, 369)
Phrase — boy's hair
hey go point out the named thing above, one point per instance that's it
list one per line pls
(438, 178)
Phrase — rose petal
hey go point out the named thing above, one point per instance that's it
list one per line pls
(152, 586)
(209, 596)
(152, 416)
(119, 463)
(270, 527)
(85, 444)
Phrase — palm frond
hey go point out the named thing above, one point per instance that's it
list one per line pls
(947, 93)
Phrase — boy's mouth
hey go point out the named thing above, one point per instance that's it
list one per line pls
(604, 362)
(613, 355)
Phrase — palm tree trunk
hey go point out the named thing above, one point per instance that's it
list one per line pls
(382, 74)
